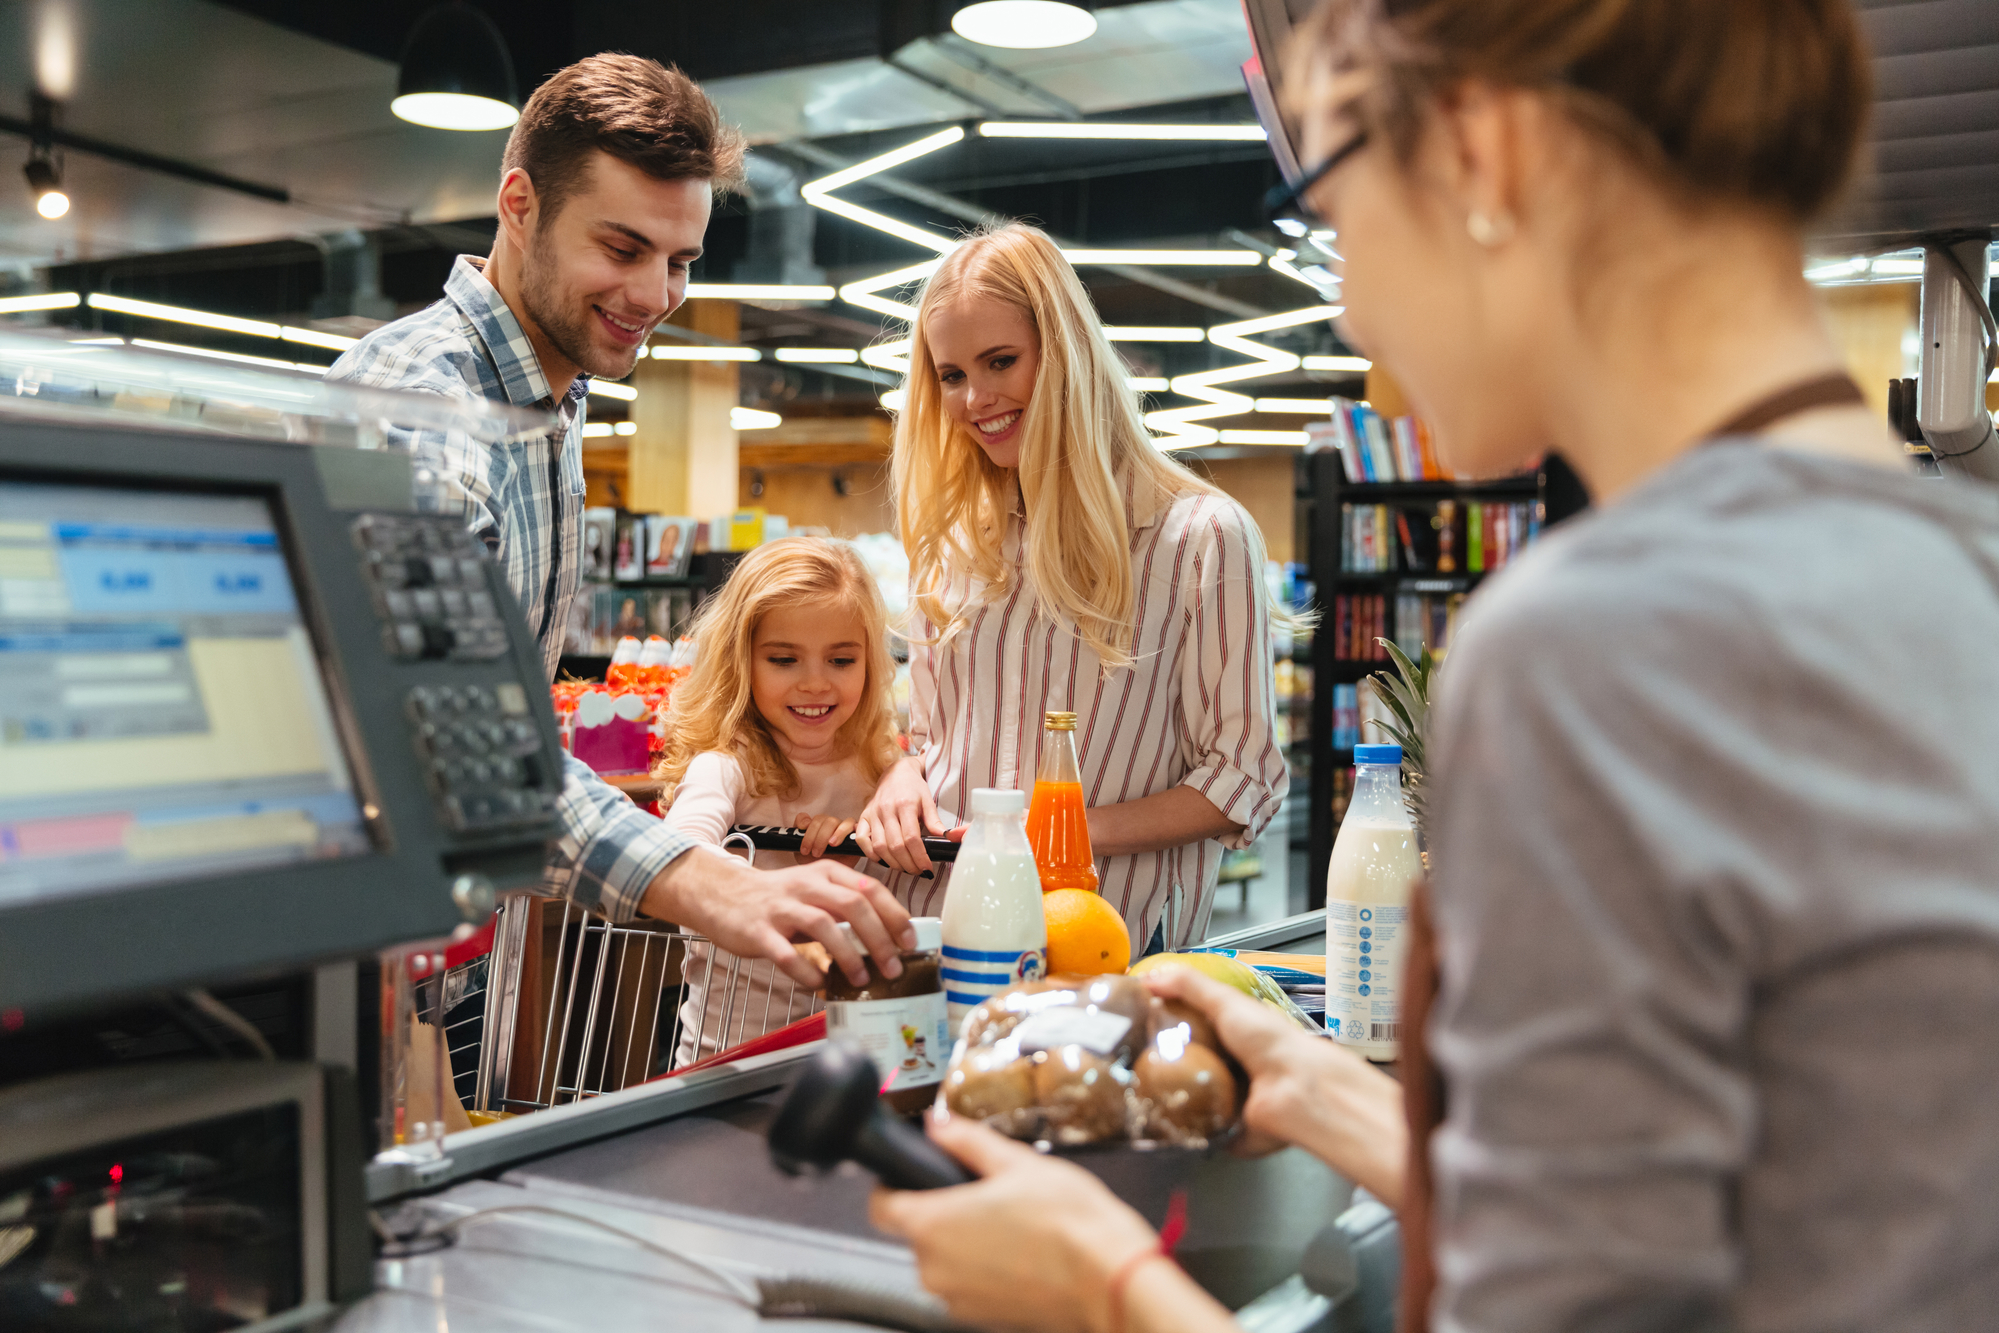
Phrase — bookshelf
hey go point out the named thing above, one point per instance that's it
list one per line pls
(1324, 495)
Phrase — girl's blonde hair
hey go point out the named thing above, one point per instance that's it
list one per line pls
(1083, 439)
(712, 708)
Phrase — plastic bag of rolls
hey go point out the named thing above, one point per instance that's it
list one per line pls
(1069, 1061)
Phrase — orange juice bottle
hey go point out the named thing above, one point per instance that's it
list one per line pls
(1056, 826)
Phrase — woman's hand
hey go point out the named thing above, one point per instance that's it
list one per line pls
(1303, 1089)
(1034, 1244)
(898, 815)
(821, 832)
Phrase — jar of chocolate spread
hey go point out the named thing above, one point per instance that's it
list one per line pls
(901, 1024)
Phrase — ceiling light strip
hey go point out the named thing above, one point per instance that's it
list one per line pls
(865, 292)
(606, 390)
(206, 319)
(1062, 129)
(239, 358)
(756, 291)
(1179, 424)
(1167, 258)
(1290, 437)
(1150, 333)
(807, 356)
(15, 305)
(1346, 363)
(701, 352)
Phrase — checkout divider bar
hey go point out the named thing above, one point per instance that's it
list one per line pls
(472, 1153)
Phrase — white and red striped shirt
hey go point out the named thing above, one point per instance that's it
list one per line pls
(1195, 709)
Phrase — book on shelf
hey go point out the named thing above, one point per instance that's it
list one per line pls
(1375, 449)
(1414, 621)
(1426, 538)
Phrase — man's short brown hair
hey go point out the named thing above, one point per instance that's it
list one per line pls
(637, 110)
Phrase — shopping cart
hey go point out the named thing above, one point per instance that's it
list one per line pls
(577, 1006)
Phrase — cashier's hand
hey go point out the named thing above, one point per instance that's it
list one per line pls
(759, 913)
(1032, 1245)
(1303, 1089)
(898, 815)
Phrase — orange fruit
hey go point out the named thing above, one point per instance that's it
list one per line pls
(1086, 935)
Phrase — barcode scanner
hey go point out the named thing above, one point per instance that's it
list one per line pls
(833, 1114)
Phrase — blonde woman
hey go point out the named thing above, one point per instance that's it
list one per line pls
(784, 721)
(1058, 560)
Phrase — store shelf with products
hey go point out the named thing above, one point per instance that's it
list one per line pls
(1394, 560)
(662, 604)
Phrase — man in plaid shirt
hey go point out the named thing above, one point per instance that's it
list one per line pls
(605, 193)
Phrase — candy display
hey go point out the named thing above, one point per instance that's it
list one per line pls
(618, 725)
(1073, 1060)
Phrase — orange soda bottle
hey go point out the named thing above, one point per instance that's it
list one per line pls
(1057, 828)
(624, 665)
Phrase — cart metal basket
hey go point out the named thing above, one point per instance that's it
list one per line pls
(578, 1006)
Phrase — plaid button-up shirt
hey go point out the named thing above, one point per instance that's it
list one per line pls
(525, 501)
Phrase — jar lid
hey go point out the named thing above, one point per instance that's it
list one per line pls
(929, 933)
(1061, 721)
(998, 801)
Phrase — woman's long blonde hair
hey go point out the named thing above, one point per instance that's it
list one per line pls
(1082, 438)
(712, 708)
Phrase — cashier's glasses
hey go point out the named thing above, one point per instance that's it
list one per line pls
(1288, 201)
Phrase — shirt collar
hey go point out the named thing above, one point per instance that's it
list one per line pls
(507, 344)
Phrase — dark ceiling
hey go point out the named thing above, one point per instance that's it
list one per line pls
(708, 41)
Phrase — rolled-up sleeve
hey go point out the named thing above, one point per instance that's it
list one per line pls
(608, 850)
(1227, 693)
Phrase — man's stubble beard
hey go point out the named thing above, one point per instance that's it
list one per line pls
(567, 329)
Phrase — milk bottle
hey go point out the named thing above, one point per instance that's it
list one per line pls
(995, 936)
(1375, 863)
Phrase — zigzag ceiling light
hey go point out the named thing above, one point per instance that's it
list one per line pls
(1177, 425)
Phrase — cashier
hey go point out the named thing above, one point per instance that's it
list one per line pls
(1059, 560)
(1714, 818)
(605, 194)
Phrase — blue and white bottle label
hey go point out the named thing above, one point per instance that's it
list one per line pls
(972, 976)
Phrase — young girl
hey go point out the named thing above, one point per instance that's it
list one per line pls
(784, 721)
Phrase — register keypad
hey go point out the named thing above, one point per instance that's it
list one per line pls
(483, 755)
(428, 577)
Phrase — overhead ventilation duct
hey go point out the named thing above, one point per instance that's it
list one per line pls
(781, 228)
(352, 298)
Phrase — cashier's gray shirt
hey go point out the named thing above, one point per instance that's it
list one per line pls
(1715, 834)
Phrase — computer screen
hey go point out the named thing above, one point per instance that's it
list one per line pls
(162, 712)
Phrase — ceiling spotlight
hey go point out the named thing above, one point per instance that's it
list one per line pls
(46, 184)
(456, 73)
(1023, 24)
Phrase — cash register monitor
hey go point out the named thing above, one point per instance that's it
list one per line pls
(253, 714)
(164, 716)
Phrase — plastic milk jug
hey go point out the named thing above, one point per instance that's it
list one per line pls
(995, 936)
(1375, 863)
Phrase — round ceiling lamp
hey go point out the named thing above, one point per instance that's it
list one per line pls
(1023, 24)
(456, 73)
(45, 183)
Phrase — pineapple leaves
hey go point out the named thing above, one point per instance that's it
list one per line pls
(1406, 695)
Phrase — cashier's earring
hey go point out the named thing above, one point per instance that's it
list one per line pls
(1490, 232)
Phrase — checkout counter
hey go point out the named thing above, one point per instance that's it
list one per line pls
(270, 711)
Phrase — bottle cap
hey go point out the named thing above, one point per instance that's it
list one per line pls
(1377, 754)
(1061, 721)
(929, 933)
(998, 801)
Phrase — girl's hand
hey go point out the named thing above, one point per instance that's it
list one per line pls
(821, 832)
(1303, 1089)
(1032, 1245)
(901, 811)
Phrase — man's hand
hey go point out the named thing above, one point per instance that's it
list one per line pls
(758, 913)
(898, 815)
